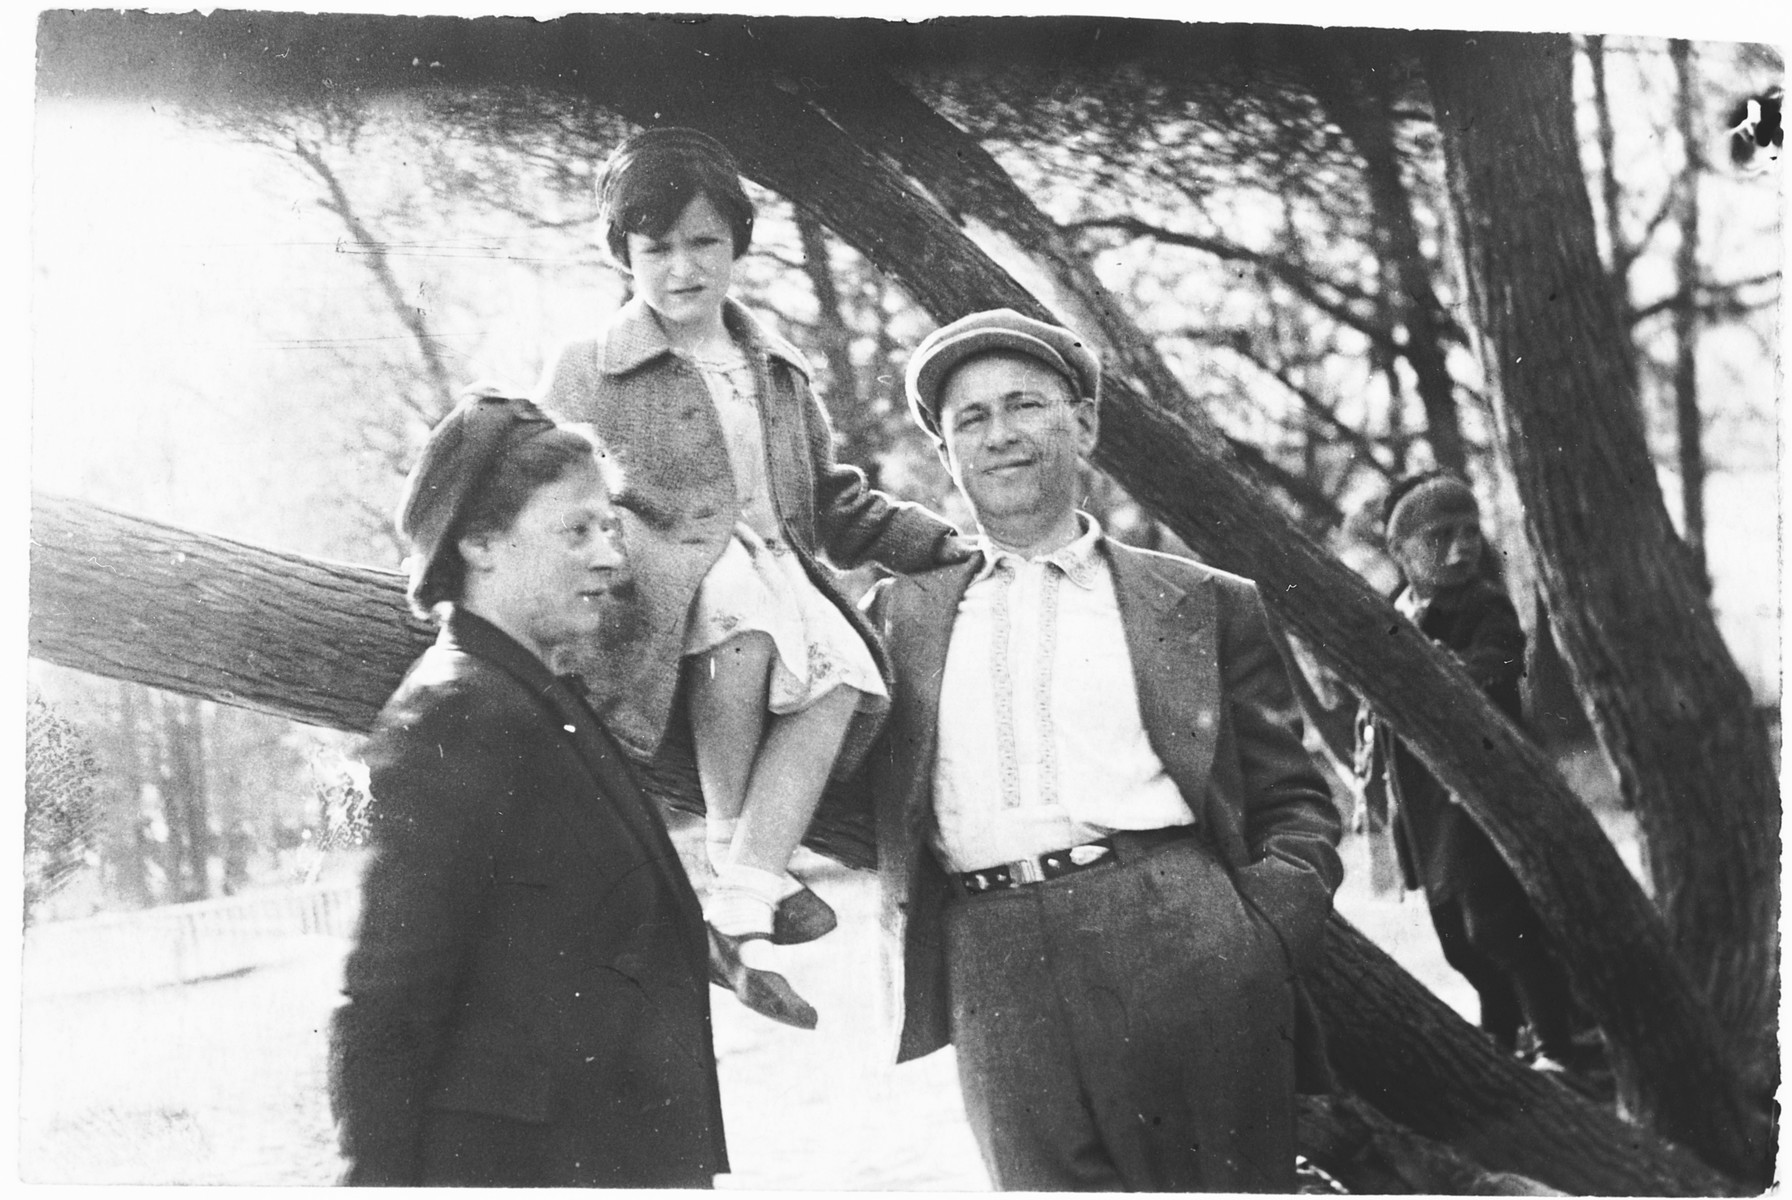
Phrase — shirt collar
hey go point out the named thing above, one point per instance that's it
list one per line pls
(1408, 605)
(635, 337)
(1080, 560)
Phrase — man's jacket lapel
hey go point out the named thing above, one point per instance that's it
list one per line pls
(1172, 633)
(918, 630)
(915, 614)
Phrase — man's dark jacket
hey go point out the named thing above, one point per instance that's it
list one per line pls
(529, 947)
(1215, 699)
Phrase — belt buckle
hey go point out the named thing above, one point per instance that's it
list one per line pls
(1026, 870)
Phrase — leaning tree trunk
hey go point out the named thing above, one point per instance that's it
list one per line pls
(1459, 1089)
(1668, 1046)
(1370, 1155)
(1344, 80)
(885, 117)
(325, 643)
(1668, 702)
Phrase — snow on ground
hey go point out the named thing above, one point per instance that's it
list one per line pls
(221, 1082)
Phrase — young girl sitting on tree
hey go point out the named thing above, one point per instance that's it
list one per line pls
(730, 473)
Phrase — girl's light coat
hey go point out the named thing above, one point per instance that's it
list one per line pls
(679, 504)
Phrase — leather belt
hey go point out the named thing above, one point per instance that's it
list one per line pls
(1059, 863)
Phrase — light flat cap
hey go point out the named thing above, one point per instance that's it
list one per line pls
(1000, 329)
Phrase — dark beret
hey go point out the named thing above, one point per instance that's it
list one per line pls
(453, 467)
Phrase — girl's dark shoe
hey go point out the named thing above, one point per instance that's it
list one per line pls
(765, 992)
(802, 917)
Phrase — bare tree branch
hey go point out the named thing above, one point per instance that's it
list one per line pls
(1308, 286)
(1714, 301)
(379, 265)
(1365, 446)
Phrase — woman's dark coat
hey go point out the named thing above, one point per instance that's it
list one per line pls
(529, 947)
(679, 502)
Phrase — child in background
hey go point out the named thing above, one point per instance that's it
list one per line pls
(1484, 921)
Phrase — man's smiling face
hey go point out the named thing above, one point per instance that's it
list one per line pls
(1015, 435)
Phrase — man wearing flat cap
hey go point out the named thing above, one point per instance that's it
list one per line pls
(1104, 856)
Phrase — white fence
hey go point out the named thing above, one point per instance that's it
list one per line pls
(180, 943)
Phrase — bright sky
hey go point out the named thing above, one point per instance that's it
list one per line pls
(192, 299)
(155, 253)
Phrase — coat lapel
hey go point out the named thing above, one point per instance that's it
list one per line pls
(1172, 634)
(916, 615)
(597, 752)
(634, 338)
(607, 763)
(919, 632)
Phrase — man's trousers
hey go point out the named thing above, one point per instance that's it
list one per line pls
(1125, 1027)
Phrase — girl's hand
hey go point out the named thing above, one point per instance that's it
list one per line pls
(955, 548)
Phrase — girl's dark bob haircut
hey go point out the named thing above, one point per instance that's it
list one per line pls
(648, 181)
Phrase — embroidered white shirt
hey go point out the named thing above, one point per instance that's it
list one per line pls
(1041, 743)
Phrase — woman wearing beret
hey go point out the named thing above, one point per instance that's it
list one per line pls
(527, 997)
(730, 468)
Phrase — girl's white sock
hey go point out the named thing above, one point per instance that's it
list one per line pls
(718, 839)
(743, 899)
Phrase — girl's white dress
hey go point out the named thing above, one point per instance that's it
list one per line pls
(759, 583)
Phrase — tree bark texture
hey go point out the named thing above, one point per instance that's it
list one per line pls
(1355, 96)
(1670, 1059)
(966, 180)
(1447, 1081)
(1371, 1155)
(324, 643)
(1668, 702)
(242, 625)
